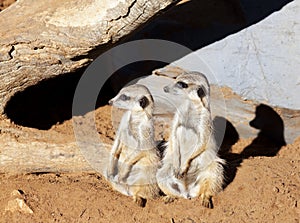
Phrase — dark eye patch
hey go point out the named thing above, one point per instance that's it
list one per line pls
(201, 92)
(144, 102)
(124, 97)
(181, 84)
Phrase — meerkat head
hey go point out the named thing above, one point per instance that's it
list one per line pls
(136, 98)
(192, 84)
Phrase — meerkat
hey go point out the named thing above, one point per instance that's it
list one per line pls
(190, 166)
(134, 158)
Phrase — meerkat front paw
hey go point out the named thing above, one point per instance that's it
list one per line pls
(110, 176)
(123, 175)
(176, 172)
(180, 174)
(121, 179)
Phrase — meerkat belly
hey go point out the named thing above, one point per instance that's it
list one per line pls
(146, 163)
(143, 172)
(187, 142)
(126, 152)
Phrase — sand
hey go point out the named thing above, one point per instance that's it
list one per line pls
(263, 185)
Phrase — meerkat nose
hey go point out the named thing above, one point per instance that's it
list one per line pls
(166, 89)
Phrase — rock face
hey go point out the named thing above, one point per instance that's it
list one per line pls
(260, 62)
(48, 38)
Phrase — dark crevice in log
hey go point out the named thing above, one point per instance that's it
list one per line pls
(45, 104)
(10, 53)
(50, 101)
(193, 24)
(94, 52)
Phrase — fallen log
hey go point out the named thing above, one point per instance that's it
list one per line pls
(44, 39)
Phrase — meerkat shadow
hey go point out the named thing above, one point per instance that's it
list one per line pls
(268, 142)
(226, 136)
(270, 138)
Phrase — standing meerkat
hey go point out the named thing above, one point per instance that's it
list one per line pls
(190, 166)
(134, 158)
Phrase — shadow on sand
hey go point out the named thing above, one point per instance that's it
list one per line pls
(268, 142)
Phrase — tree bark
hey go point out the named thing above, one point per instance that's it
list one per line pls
(47, 38)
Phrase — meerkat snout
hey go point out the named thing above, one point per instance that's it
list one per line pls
(134, 97)
(119, 97)
(175, 88)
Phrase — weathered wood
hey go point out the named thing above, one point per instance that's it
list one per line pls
(39, 157)
(51, 37)
(26, 150)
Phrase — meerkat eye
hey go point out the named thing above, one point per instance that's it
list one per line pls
(144, 102)
(201, 92)
(124, 97)
(181, 84)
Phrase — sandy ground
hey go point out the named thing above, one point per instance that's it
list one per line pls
(263, 185)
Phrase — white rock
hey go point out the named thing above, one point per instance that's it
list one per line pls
(17, 204)
(260, 63)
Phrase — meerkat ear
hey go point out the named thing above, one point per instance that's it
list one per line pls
(144, 102)
(201, 92)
